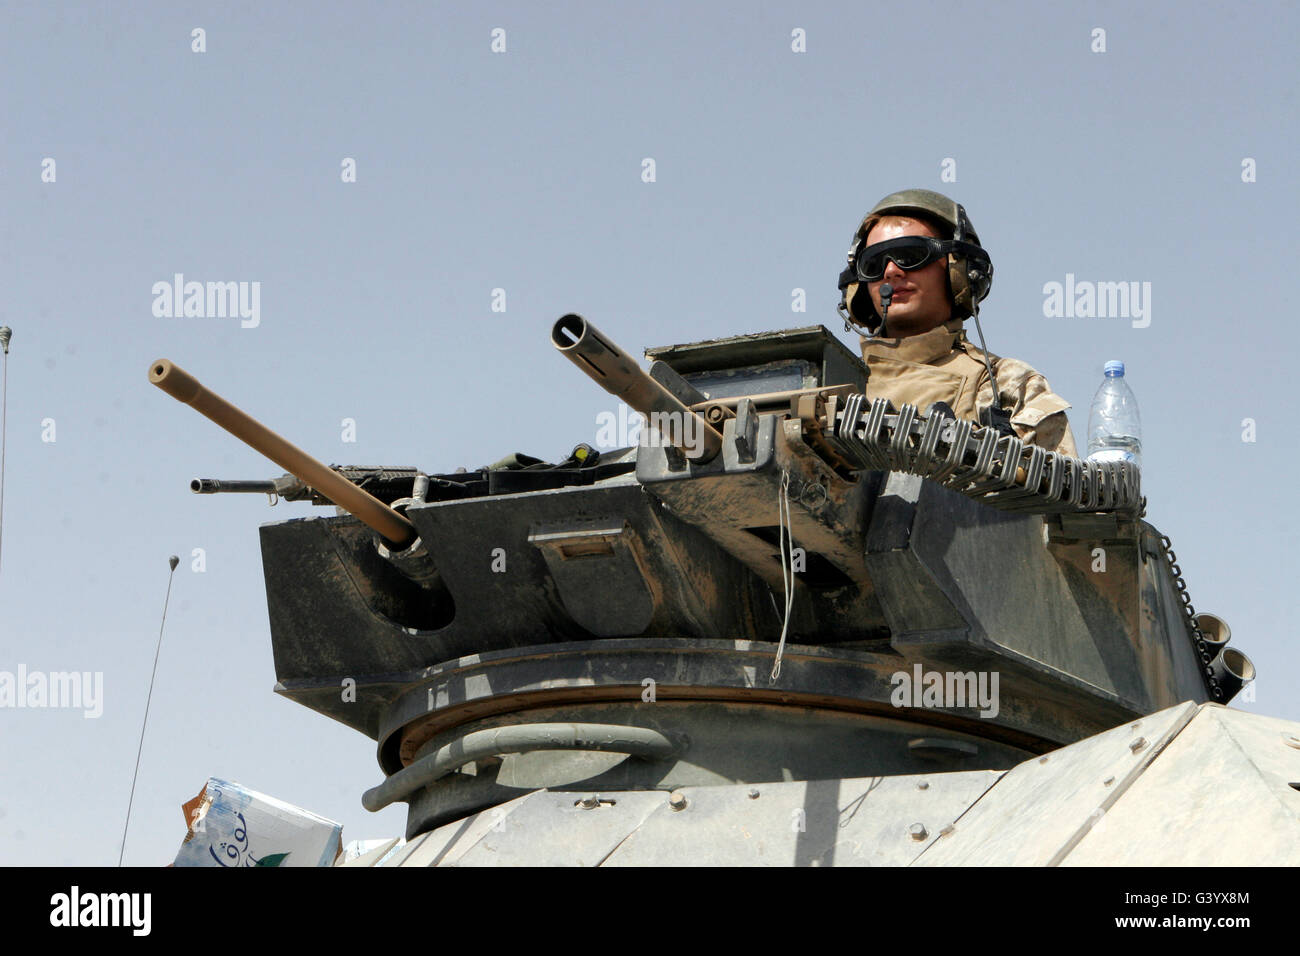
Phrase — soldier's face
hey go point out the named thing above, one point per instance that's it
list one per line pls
(920, 301)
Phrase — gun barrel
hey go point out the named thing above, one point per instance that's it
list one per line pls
(622, 376)
(211, 486)
(185, 388)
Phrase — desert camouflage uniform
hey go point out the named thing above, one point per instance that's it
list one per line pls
(941, 366)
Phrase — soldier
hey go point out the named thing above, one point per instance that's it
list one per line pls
(922, 244)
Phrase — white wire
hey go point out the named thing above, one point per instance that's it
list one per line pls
(787, 565)
(139, 750)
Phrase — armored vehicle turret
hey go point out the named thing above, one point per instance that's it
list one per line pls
(789, 626)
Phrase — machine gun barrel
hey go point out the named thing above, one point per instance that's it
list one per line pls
(622, 376)
(214, 486)
(184, 387)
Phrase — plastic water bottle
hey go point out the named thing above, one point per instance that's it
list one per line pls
(1114, 427)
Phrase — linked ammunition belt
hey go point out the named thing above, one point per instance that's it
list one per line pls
(998, 470)
(1189, 619)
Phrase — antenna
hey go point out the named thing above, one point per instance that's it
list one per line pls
(6, 334)
(173, 561)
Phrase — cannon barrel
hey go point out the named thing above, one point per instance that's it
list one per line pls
(622, 376)
(184, 387)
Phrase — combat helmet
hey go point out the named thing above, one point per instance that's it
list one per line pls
(970, 270)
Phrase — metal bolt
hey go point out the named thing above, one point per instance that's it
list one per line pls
(922, 786)
(1042, 760)
(1138, 744)
(918, 831)
(677, 800)
(1108, 781)
(753, 793)
(589, 802)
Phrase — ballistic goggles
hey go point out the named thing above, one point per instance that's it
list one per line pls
(908, 253)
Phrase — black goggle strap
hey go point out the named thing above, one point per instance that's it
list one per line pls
(967, 249)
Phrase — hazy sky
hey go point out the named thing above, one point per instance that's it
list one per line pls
(522, 170)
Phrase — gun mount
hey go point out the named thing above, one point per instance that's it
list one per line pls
(617, 372)
(185, 388)
(403, 570)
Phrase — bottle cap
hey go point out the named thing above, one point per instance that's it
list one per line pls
(1114, 369)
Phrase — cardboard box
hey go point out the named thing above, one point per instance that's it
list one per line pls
(232, 826)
